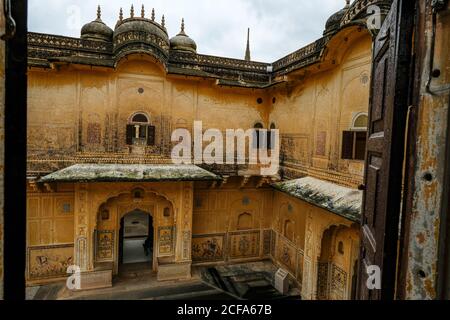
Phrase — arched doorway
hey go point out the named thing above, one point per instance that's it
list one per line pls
(336, 262)
(136, 241)
(125, 222)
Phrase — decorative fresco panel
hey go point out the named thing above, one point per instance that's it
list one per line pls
(273, 243)
(105, 246)
(186, 244)
(287, 255)
(267, 241)
(49, 261)
(94, 133)
(294, 148)
(165, 235)
(244, 244)
(207, 248)
(322, 281)
(321, 142)
(338, 283)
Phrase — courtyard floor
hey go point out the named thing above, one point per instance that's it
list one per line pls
(241, 281)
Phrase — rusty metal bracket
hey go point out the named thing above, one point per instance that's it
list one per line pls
(10, 25)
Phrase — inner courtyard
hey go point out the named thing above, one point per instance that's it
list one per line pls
(104, 195)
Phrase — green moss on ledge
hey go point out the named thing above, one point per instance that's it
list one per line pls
(129, 173)
(342, 201)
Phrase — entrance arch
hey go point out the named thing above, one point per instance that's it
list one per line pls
(125, 210)
(136, 241)
(336, 262)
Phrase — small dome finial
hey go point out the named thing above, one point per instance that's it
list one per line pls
(153, 14)
(99, 12)
(132, 11)
(182, 25)
(347, 3)
(163, 21)
(121, 14)
(143, 12)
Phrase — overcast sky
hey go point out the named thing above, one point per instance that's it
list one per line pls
(219, 27)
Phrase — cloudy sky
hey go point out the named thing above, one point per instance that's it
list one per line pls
(219, 27)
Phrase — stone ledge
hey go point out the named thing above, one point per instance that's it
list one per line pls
(96, 280)
(174, 271)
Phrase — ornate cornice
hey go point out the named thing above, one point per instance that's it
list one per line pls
(358, 9)
(74, 44)
(45, 49)
(301, 57)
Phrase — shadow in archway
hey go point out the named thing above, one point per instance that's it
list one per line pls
(136, 244)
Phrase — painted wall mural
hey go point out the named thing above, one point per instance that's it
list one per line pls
(105, 246)
(165, 235)
(244, 244)
(287, 255)
(49, 261)
(208, 248)
(338, 283)
(267, 241)
(294, 148)
(322, 280)
(273, 242)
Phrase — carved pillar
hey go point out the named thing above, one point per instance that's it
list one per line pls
(308, 259)
(181, 269)
(313, 238)
(184, 224)
(81, 222)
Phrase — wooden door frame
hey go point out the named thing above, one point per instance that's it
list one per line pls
(379, 238)
(121, 215)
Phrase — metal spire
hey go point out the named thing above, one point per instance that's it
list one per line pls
(143, 12)
(163, 21)
(132, 11)
(247, 51)
(99, 12)
(182, 25)
(121, 14)
(153, 14)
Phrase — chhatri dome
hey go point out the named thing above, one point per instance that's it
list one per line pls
(138, 31)
(142, 24)
(182, 41)
(334, 22)
(97, 29)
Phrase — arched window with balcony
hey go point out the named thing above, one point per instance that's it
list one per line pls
(139, 131)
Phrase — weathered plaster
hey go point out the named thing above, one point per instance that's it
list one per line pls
(343, 201)
(432, 128)
(129, 173)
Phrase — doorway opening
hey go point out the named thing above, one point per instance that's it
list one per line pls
(136, 242)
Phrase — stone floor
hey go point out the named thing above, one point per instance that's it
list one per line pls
(248, 281)
(133, 251)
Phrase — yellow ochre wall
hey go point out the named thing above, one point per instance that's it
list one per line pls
(66, 105)
(318, 107)
(229, 222)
